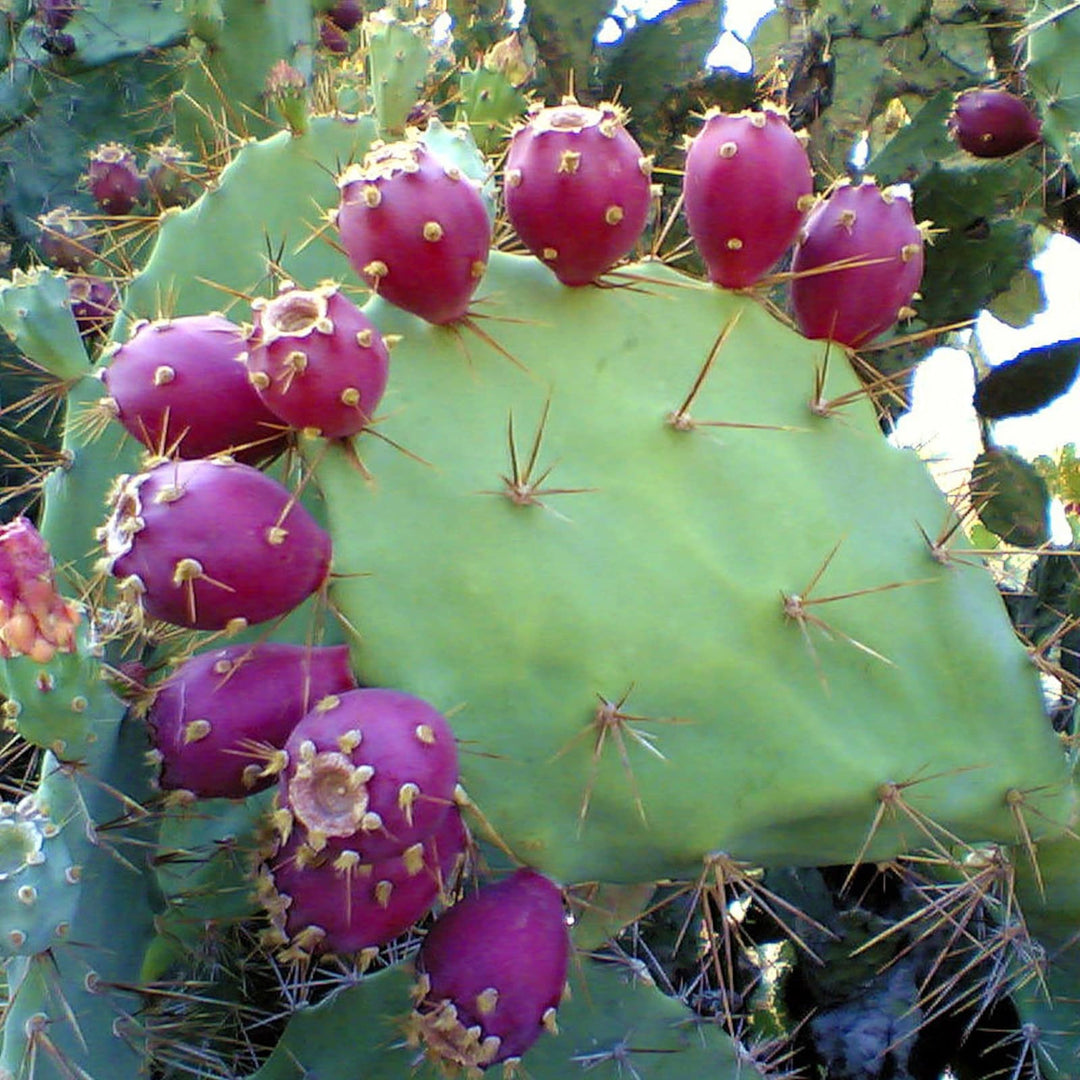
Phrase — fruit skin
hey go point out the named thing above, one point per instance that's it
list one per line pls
(375, 769)
(179, 386)
(220, 702)
(336, 901)
(875, 230)
(317, 361)
(747, 187)
(993, 123)
(499, 958)
(94, 303)
(113, 179)
(415, 229)
(577, 189)
(190, 564)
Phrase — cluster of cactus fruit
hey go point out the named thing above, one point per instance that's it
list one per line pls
(436, 589)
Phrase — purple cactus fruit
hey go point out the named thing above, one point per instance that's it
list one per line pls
(55, 14)
(212, 544)
(577, 189)
(747, 188)
(169, 181)
(858, 263)
(219, 718)
(317, 361)
(346, 14)
(94, 303)
(179, 386)
(114, 182)
(376, 767)
(415, 229)
(66, 240)
(332, 38)
(323, 901)
(35, 620)
(491, 973)
(993, 123)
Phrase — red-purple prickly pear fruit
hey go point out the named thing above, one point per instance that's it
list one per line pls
(55, 14)
(491, 973)
(94, 303)
(114, 182)
(993, 123)
(337, 901)
(577, 189)
(66, 240)
(168, 176)
(747, 188)
(376, 766)
(212, 544)
(317, 361)
(415, 229)
(346, 14)
(872, 238)
(219, 718)
(180, 386)
(332, 38)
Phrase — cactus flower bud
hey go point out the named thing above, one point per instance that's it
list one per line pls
(35, 621)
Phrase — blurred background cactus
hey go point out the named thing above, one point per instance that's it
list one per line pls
(564, 671)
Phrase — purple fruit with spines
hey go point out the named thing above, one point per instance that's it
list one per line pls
(993, 123)
(220, 721)
(376, 768)
(415, 229)
(67, 241)
(94, 303)
(316, 360)
(491, 973)
(340, 902)
(857, 264)
(577, 189)
(180, 386)
(55, 14)
(169, 180)
(333, 39)
(346, 14)
(113, 179)
(747, 188)
(212, 544)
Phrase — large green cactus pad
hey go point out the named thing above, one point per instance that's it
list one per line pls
(660, 577)
(612, 1025)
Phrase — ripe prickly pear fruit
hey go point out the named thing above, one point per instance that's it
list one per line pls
(66, 240)
(415, 229)
(577, 189)
(212, 544)
(993, 123)
(747, 188)
(346, 14)
(376, 767)
(491, 973)
(169, 180)
(338, 901)
(871, 238)
(94, 303)
(55, 14)
(179, 386)
(219, 718)
(317, 361)
(113, 179)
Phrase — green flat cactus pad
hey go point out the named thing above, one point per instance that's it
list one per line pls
(611, 1024)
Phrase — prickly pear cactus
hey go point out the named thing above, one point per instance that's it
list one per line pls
(655, 633)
